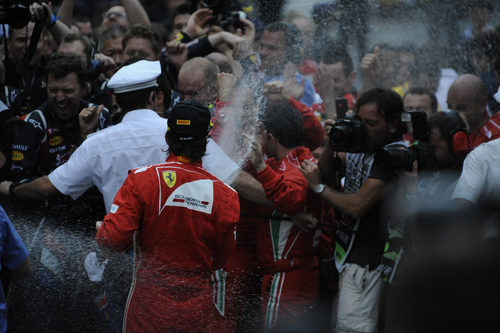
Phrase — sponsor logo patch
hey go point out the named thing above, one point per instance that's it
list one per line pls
(57, 149)
(36, 124)
(197, 195)
(55, 141)
(17, 155)
(183, 122)
(170, 177)
(20, 147)
(52, 130)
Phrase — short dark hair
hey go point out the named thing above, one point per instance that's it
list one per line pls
(285, 123)
(441, 121)
(447, 122)
(293, 39)
(424, 91)
(389, 105)
(192, 149)
(134, 100)
(165, 86)
(331, 53)
(61, 65)
(146, 32)
(113, 32)
(78, 37)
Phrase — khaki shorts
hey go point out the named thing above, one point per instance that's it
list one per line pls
(358, 299)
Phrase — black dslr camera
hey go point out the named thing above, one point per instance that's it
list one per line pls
(420, 151)
(348, 135)
(225, 14)
(15, 13)
(402, 159)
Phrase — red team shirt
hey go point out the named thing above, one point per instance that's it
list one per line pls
(487, 132)
(182, 220)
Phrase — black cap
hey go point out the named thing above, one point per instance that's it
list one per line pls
(189, 120)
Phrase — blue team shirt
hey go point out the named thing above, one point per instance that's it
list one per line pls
(13, 254)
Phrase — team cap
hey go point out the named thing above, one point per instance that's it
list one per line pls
(137, 76)
(189, 120)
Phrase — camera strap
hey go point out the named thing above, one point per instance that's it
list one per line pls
(35, 38)
(337, 166)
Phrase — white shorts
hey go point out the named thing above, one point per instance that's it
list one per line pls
(358, 299)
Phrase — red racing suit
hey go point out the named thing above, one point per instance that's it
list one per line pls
(182, 222)
(285, 254)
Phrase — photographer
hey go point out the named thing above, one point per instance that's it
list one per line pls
(435, 165)
(361, 232)
(437, 178)
(25, 66)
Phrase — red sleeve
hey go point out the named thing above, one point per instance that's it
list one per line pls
(225, 227)
(313, 131)
(288, 190)
(126, 213)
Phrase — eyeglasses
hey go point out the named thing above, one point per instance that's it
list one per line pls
(107, 15)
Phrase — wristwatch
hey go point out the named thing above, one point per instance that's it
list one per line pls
(318, 189)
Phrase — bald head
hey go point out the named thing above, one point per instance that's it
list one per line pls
(467, 96)
(197, 80)
(471, 83)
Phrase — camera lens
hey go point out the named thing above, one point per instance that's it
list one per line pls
(18, 16)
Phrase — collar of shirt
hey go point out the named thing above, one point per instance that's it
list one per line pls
(140, 114)
(174, 158)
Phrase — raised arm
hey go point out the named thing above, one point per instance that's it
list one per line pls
(66, 12)
(136, 13)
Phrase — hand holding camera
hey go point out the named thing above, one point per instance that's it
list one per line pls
(348, 135)
(197, 23)
(41, 12)
(248, 34)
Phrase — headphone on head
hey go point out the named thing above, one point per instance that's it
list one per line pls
(458, 138)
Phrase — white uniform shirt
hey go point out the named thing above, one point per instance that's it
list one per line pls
(480, 178)
(105, 157)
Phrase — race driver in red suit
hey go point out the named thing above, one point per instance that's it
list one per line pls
(181, 221)
(286, 254)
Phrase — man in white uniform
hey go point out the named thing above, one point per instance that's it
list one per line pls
(106, 156)
(480, 178)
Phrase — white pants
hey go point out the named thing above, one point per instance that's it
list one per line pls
(357, 303)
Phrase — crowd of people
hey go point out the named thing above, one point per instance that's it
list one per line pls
(244, 172)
